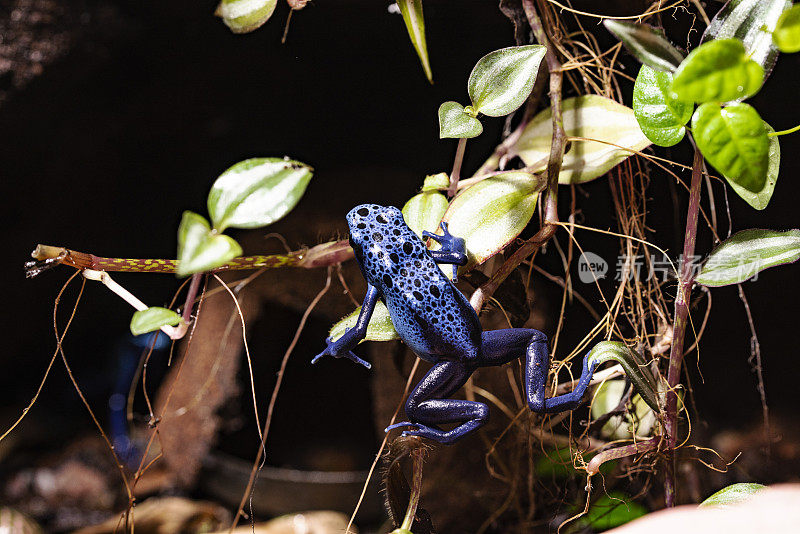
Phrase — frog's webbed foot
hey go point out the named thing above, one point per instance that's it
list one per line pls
(398, 425)
(445, 437)
(453, 251)
(336, 349)
(449, 242)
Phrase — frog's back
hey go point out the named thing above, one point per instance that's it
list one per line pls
(429, 313)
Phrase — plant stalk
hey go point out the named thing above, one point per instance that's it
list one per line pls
(322, 255)
(455, 175)
(685, 282)
(593, 467)
(191, 295)
(416, 490)
(557, 145)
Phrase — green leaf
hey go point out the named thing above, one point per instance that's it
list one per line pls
(639, 422)
(455, 122)
(746, 254)
(257, 192)
(734, 140)
(502, 80)
(787, 31)
(760, 199)
(244, 16)
(717, 71)
(611, 510)
(647, 44)
(660, 116)
(415, 24)
(435, 182)
(491, 213)
(424, 211)
(152, 319)
(593, 117)
(380, 326)
(200, 248)
(733, 494)
(750, 21)
(633, 364)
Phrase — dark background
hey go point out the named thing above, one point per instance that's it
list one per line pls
(104, 150)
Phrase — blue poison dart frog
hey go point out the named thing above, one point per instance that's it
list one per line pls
(437, 322)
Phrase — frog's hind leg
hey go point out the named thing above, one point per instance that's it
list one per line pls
(502, 346)
(428, 405)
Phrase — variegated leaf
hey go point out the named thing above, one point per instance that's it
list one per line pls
(415, 24)
(244, 16)
(455, 122)
(153, 318)
(634, 366)
(424, 211)
(732, 495)
(746, 254)
(649, 45)
(612, 125)
(502, 80)
(200, 248)
(380, 326)
(257, 192)
(491, 213)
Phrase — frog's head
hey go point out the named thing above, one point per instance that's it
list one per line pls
(371, 223)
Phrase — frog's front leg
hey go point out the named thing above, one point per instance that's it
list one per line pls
(342, 347)
(454, 249)
(428, 405)
(502, 346)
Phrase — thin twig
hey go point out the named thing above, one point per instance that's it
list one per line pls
(246, 350)
(52, 359)
(758, 369)
(383, 445)
(270, 409)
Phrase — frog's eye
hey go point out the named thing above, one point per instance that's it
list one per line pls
(363, 212)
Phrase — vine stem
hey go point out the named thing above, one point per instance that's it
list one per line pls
(685, 282)
(322, 255)
(191, 295)
(105, 279)
(557, 144)
(455, 175)
(593, 467)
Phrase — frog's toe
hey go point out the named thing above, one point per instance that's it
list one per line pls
(398, 425)
(422, 431)
(351, 356)
(435, 237)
